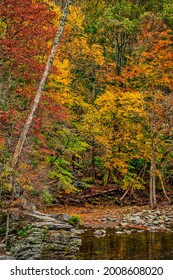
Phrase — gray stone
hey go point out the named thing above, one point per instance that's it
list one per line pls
(38, 216)
(100, 232)
(77, 231)
(6, 257)
(151, 217)
(62, 217)
(117, 227)
(149, 221)
(162, 227)
(51, 225)
(137, 214)
(137, 219)
(128, 232)
(123, 224)
(48, 238)
(163, 217)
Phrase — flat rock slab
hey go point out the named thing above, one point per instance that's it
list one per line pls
(51, 226)
(6, 257)
(38, 216)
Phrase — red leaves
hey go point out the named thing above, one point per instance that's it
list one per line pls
(3, 117)
(28, 29)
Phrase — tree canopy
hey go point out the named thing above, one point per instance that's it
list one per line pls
(105, 116)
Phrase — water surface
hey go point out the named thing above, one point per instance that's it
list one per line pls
(134, 246)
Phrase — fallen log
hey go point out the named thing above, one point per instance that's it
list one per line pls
(99, 192)
(138, 226)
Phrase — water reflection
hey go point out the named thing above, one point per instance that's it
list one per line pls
(134, 246)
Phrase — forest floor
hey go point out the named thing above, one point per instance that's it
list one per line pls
(99, 216)
(100, 207)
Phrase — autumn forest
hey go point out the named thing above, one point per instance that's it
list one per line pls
(104, 121)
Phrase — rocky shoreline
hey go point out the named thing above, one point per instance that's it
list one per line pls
(135, 217)
(52, 237)
(145, 220)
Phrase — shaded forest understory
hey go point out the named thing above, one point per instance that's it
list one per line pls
(103, 129)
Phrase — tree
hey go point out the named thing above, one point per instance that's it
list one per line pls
(41, 87)
(151, 73)
(28, 122)
(25, 44)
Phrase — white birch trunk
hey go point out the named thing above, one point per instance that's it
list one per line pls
(153, 201)
(28, 122)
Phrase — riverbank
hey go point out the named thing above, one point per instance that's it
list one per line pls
(50, 236)
(139, 217)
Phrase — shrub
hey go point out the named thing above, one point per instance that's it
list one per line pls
(75, 220)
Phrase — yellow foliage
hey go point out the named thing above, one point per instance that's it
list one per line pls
(75, 18)
(97, 52)
(59, 82)
(2, 29)
(63, 76)
(111, 121)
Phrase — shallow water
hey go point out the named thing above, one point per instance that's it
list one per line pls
(134, 246)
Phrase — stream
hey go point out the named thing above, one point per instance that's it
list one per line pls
(134, 246)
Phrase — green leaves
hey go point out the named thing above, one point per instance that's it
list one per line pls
(68, 146)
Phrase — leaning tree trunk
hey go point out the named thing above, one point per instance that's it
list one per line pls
(28, 122)
(153, 201)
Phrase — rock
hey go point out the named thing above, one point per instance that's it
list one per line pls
(161, 221)
(156, 223)
(163, 217)
(152, 217)
(127, 232)
(100, 232)
(46, 238)
(77, 231)
(62, 217)
(42, 244)
(149, 222)
(152, 228)
(37, 216)
(137, 214)
(117, 227)
(168, 230)
(51, 225)
(6, 257)
(162, 228)
(123, 224)
(137, 219)
(2, 248)
(158, 213)
(118, 232)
